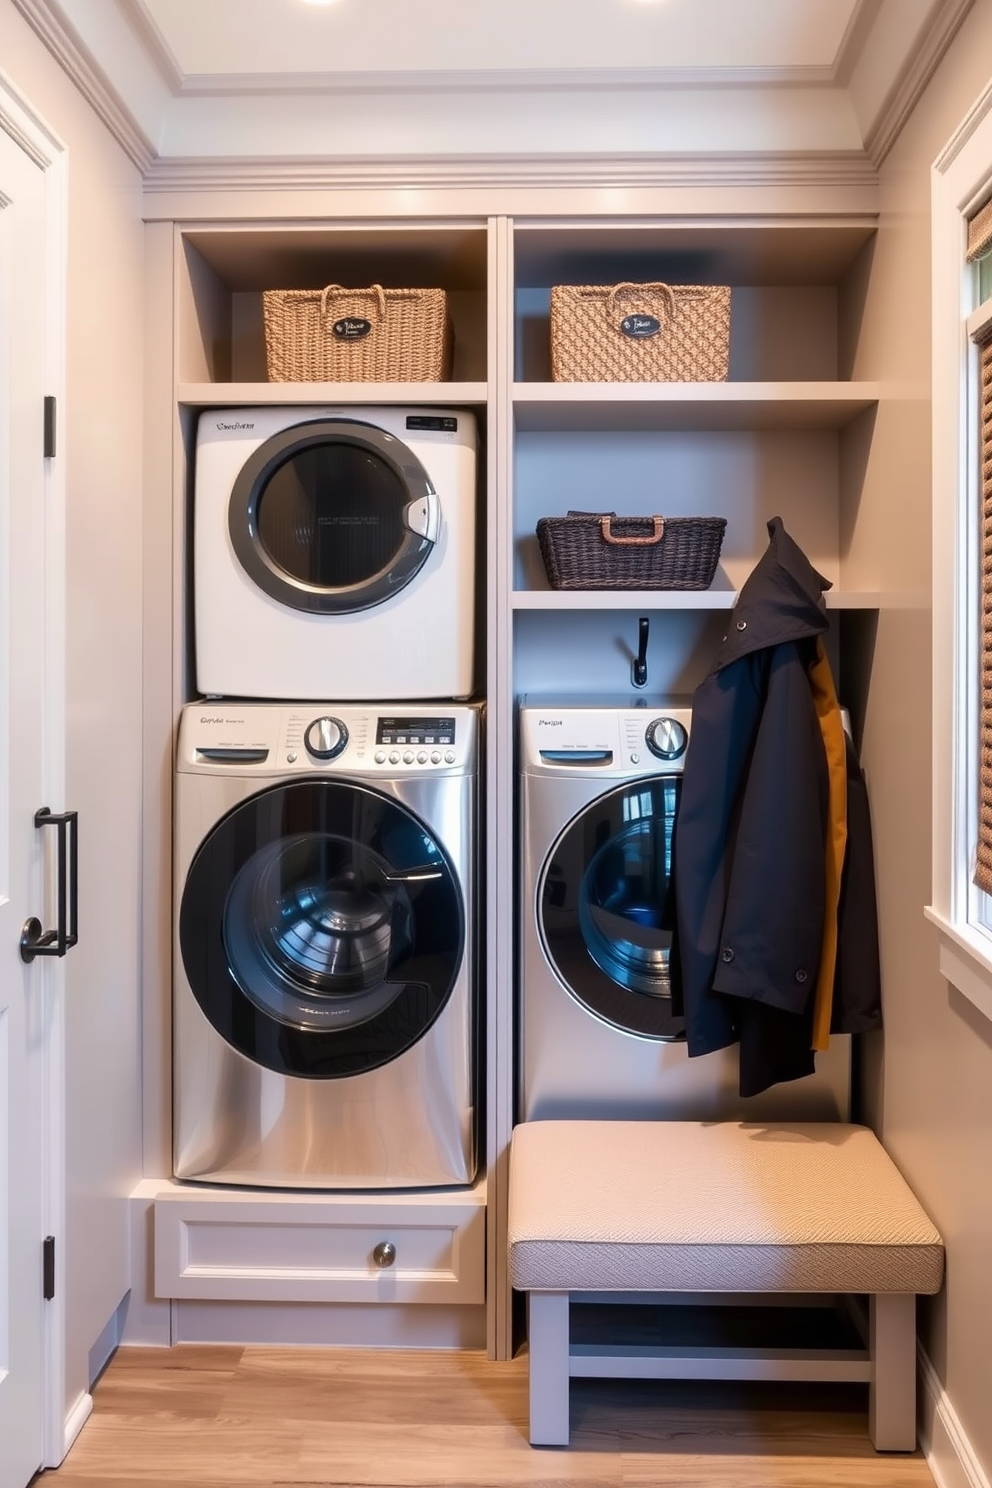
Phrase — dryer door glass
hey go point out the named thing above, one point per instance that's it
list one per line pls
(606, 907)
(333, 516)
(322, 929)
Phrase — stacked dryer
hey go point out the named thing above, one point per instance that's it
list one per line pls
(326, 803)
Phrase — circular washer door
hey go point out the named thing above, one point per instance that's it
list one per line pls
(333, 516)
(605, 907)
(322, 929)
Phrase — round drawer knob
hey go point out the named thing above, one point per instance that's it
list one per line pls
(384, 1254)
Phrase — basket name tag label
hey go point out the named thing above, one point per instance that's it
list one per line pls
(351, 328)
(639, 327)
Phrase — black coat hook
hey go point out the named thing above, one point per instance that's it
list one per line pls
(639, 666)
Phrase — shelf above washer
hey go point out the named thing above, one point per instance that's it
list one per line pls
(668, 599)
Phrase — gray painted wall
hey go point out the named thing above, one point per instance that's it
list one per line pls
(929, 1075)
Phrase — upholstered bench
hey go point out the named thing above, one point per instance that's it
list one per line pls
(604, 1209)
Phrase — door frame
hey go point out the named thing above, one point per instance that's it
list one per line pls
(27, 128)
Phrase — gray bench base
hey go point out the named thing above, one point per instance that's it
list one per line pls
(887, 1364)
(603, 1210)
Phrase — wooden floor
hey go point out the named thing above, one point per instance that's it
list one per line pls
(206, 1416)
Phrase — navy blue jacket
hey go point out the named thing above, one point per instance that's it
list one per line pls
(749, 864)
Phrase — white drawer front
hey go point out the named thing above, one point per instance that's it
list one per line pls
(315, 1248)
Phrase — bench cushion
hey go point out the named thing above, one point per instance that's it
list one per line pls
(692, 1206)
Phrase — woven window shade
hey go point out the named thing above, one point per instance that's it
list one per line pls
(983, 865)
(980, 232)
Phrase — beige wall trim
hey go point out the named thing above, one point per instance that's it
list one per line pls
(945, 1444)
(66, 48)
(848, 168)
(919, 68)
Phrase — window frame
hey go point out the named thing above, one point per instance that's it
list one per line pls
(961, 181)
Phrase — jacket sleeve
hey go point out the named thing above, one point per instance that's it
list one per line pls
(726, 707)
(772, 934)
(857, 988)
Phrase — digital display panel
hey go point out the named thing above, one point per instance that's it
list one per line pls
(415, 731)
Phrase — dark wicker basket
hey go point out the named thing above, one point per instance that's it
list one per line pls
(599, 550)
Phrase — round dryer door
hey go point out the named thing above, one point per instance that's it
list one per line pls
(322, 929)
(605, 907)
(333, 516)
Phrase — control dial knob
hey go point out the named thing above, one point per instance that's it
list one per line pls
(666, 738)
(325, 738)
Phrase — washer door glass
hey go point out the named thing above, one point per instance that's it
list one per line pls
(322, 929)
(333, 516)
(606, 907)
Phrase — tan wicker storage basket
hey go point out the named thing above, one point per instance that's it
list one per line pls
(640, 332)
(599, 550)
(357, 335)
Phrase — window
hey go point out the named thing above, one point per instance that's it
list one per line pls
(962, 556)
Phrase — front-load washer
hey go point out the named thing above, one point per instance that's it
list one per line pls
(324, 963)
(334, 552)
(599, 789)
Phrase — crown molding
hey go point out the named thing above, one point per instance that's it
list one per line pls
(913, 77)
(62, 41)
(510, 81)
(858, 30)
(974, 118)
(140, 20)
(849, 168)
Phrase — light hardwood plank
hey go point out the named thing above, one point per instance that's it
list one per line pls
(218, 1417)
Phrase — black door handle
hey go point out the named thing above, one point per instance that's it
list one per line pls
(34, 940)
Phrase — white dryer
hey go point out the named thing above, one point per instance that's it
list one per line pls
(334, 552)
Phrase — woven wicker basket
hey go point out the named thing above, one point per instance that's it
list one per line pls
(357, 335)
(640, 332)
(599, 550)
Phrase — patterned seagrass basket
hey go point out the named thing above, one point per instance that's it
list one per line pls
(640, 332)
(599, 550)
(357, 335)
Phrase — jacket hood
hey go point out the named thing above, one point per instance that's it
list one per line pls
(782, 600)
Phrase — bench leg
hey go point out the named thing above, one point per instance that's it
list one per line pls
(547, 1333)
(892, 1393)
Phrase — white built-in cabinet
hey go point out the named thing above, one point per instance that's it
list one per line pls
(788, 434)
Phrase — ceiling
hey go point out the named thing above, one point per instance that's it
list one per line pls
(214, 39)
(452, 80)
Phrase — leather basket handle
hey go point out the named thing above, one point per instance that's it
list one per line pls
(606, 527)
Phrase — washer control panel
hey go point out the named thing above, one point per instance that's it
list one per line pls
(267, 738)
(604, 740)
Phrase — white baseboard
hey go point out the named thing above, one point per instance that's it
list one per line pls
(948, 1451)
(75, 1421)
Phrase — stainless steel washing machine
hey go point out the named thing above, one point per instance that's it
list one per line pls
(600, 787)
(324, 986)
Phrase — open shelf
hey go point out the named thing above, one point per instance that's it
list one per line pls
(279, 394)
(667, 599)
(621, 406)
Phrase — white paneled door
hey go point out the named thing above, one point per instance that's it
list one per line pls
(27, 853)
